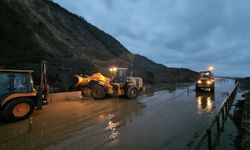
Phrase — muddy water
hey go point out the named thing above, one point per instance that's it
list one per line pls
(164, 120)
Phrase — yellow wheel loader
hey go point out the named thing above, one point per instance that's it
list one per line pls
(18, 96)
(120, 84)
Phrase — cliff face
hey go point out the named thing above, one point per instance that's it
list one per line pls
(32, 30)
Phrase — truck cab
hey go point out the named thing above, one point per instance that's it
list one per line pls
(205, 81)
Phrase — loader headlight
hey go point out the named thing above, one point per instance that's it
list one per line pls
(113, 69)
(209, 82)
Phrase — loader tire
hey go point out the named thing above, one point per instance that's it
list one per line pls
(98, 92)
(132, 93)
(18, 109)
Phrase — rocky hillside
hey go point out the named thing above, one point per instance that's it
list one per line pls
(33, 30)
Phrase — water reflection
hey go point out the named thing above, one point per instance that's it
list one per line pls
(120, 114)
(205, 102)
(111, 131)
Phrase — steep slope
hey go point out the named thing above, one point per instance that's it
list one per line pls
(32, 30)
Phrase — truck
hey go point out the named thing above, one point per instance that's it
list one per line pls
(205, 80)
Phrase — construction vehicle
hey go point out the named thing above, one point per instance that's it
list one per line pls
(18, 96)
(205, 81)
(120, 84)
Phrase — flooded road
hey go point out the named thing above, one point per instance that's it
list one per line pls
(165, 120)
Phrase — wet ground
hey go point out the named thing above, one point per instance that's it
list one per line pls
(163, 120)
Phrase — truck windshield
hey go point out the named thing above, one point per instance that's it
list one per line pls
(14, 83)
(205, 74)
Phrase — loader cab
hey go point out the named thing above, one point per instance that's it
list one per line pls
(119, 75)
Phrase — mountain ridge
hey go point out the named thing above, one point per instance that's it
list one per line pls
(33, 30)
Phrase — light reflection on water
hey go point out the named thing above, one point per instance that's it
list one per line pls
(111, 132)
(205, 102)
(112, 128)
(121, 113)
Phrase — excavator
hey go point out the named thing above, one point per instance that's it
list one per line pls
(120, 84)
(18, 95)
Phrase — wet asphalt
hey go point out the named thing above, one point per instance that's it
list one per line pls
(161, 120)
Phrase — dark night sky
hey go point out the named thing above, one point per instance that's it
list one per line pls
(177, 33)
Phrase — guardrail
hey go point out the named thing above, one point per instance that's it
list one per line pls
(218, 121)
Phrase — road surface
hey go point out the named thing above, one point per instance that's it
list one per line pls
(163, 120)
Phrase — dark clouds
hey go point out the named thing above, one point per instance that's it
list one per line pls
(179, 33)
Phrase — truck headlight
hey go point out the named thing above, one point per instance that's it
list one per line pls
(209, 82)
(199, 81)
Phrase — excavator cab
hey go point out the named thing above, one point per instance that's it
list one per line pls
(18, 96)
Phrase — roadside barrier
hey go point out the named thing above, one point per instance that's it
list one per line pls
(210, 136)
